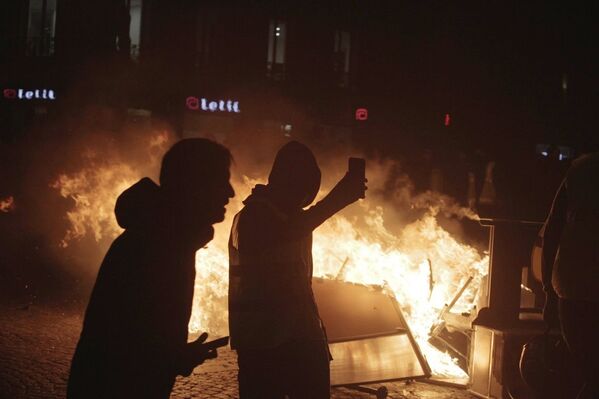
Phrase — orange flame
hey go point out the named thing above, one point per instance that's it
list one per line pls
(7, 204)
(368, 251)
(370, 255)
(96, 186)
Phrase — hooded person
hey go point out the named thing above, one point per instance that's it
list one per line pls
(273, 317)
(134, 338)
(570, 267)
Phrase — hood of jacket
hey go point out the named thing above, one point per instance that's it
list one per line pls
(295, 176)
(137, 207)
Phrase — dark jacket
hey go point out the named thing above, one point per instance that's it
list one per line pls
(571, 237)
(270, 253)
(135, 329)
(270, 277)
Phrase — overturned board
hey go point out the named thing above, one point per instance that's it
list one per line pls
(369, 338)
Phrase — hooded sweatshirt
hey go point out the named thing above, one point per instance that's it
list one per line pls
(270, 277)
(136, 323)
(137, 206)
(270, 255)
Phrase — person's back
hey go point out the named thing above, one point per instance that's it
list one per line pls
(124, 345)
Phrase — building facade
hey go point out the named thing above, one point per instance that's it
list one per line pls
(415, 75)
(206, 68)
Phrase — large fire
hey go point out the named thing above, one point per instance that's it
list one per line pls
(95, 187)
(363, 252)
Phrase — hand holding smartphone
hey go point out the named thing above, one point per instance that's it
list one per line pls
(356, 168)
(207, 350)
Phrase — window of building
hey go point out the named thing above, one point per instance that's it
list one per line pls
(41, 27)
(205, 24)
(275, 57)
(341, 57)
(135, 26)
(128, 27)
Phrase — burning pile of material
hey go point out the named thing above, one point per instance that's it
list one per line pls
(366, 253)
(423, 265)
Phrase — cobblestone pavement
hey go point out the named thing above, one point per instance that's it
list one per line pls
(37, 342)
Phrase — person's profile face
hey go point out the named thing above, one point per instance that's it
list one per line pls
(219, 194)
(206, 199)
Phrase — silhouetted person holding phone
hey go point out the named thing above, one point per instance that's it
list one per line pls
(273, 318)
(134, 338)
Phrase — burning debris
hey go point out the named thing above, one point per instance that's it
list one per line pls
(358, 248)
(451, 336)
(7, 204)
(402, 264)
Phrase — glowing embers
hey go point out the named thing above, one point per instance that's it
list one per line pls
(203, 104)
(7, 204)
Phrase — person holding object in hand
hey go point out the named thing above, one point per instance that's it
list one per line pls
(134, 338)
(273, 318)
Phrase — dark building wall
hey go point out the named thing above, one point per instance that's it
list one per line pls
(13, 28)
(87, 28)
(496, 68)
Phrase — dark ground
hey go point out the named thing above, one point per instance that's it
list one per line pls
(37, 342)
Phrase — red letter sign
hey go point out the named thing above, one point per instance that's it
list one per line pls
(10, 93)
(361, 114)
(192, 103)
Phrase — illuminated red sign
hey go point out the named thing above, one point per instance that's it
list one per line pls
(10, 93)
(447, 121)
(361, 114)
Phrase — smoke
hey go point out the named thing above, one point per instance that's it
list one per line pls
(65, 175)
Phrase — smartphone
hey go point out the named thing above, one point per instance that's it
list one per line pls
(357, 167)
(217, 343)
